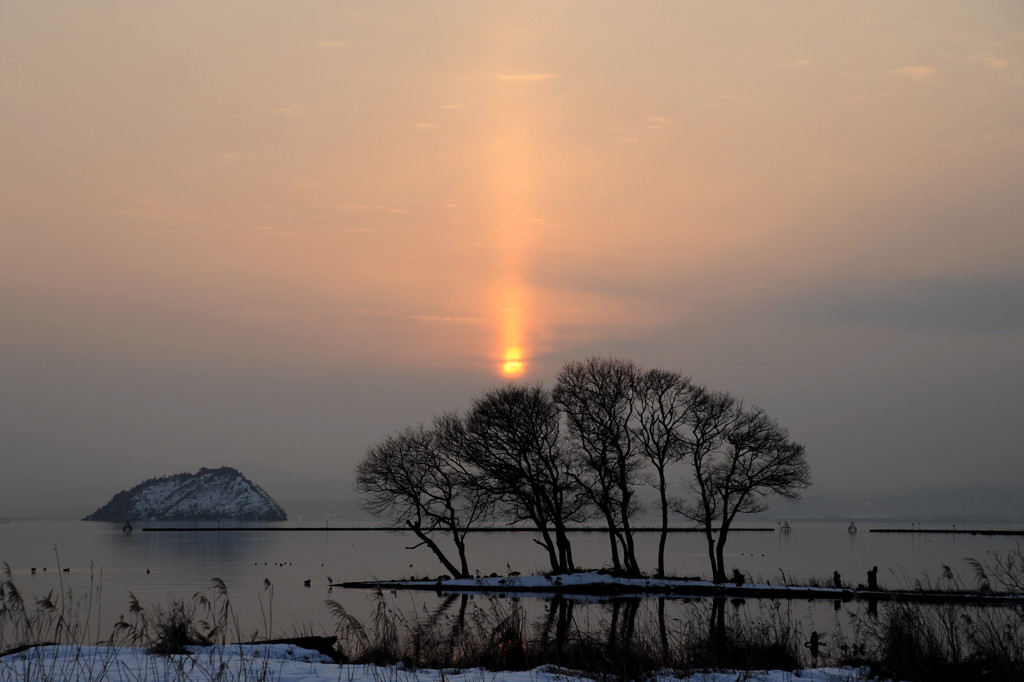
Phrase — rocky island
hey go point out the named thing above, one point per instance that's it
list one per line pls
(207, 495)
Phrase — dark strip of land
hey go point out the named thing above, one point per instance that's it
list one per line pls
(686, 589)
(947, 531)
(395, 529)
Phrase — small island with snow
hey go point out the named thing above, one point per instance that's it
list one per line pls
(207, 495)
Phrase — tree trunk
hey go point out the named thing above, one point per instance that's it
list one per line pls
(723, 532)
(436, 550)
(716, 574)
(632, 567)
(664, 523)
(628, 548)
(612, 538)
(564, 549)
(460, 543)
(547, 544)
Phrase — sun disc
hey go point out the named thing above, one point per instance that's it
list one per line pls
(513, 365)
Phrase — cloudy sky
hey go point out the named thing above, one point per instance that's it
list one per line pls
(266, 234)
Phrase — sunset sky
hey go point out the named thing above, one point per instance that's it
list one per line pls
(266, 234)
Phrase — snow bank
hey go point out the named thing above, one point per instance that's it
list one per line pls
(600, 582)
(287, 663)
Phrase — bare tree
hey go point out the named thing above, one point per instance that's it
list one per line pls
(738, 456)
(418, 482)
(664, 406)
(711, 415)
(510, 451)
(511, 436)
(598, 398)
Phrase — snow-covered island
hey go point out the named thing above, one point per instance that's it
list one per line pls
(207, 495)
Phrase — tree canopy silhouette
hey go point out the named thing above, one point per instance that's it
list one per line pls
(738, 455)
(414, 479)
(522, 453)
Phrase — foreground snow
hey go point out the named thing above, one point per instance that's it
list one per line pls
(287, 663)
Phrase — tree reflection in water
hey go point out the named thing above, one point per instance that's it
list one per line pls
(622, 635)
(628, 637)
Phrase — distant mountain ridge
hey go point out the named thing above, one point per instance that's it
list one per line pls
(207, 495)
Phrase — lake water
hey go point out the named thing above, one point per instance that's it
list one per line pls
(156, 567)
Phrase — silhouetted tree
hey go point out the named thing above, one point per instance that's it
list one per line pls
(511, 437)
(664, 404)
(598, 398)
(622, 425)
(710, 415)
(417, 481)
(738, 456)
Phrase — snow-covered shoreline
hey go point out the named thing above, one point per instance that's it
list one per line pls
(287, 663)
(603, 583)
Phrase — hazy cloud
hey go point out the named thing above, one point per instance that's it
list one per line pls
(367, 311)
(914, 72)
(991, 61)
(328, 44)
(453, 107)
(426, 126)
(136, 207)
(793, 65)
(234, 156)
(526, 76)
(369, 208)
(657, 122)
(140, 213)
(964, 306)
(444, 319)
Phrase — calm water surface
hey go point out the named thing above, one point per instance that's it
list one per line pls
(156, 567)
